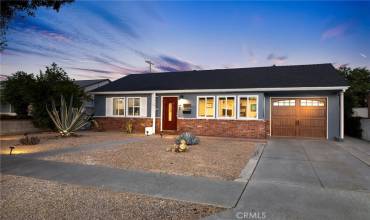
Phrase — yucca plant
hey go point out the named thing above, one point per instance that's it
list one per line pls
(69, 119)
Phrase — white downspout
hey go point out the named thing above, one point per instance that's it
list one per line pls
(342, 115)
(153, 111)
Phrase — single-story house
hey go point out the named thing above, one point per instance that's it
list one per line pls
(286, 101)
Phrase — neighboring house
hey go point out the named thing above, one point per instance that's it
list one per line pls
(6, 108)
(362, 112)
(293, 101)
(88, 86)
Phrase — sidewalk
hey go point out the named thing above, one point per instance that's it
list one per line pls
(184, 188)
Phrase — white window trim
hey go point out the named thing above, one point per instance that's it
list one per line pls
(227, 96)
(133, 116)
(214, 107)
(124, 109)
(238, 107)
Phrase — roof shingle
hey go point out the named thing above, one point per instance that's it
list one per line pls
(315, 75)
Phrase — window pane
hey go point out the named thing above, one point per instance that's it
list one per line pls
(137, 111)
(201, 107)
(130, 102)
(230, 106)
(243, 107)
(284, 103)
(137, 102)
(222, 108)
(170, 111)
(210, 107)
(118, 106)
(130, 111)
(252, 107)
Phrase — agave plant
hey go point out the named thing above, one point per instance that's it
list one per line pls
(68, 119)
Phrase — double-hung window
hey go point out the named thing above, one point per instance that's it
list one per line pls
(206, 107)
(133, 106)
(248, 107)
(226, 107)
(119, 106)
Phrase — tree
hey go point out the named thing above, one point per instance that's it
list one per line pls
(355, 96)
(50, 85)
(22, 89)
(11, 8)
(17, 90)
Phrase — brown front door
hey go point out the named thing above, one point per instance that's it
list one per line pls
(298, 117)
(169, 117)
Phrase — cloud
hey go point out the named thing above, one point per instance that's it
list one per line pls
(169, 63)
(40, 27)
(363, 55)
(90, 70)
(150, 11)
(113, 20)
(276, 59)
(109, 62)
(24, 52)
(336, 31)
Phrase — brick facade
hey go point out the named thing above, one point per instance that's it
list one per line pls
(207, 127)
(223, 128)
(118, 123)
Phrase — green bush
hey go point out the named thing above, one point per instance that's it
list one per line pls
(29, 140)
(188, 137)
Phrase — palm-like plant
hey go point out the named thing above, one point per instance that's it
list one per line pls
(68, 119)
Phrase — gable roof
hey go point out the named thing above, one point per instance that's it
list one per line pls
(315, 75)
(86, 83)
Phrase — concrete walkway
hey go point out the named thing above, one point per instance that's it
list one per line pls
(305, 179)
(186, 188)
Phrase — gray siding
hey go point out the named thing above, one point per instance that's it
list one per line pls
(333, 107)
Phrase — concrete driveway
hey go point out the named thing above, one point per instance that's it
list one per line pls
(305, 179)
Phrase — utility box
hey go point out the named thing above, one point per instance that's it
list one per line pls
(149, 131)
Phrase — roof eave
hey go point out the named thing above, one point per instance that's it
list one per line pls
(335, 88)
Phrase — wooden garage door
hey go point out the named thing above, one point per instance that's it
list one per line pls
(298, 117)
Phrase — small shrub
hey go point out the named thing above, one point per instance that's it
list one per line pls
(29, 140)
(96, 126)
(183, 147)
(129, 126)
(188, 137)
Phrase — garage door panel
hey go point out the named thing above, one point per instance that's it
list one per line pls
(302, 117)
(284, 127)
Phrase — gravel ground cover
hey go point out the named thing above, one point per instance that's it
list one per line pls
(29, 198)
(52, 141)
(221, 158)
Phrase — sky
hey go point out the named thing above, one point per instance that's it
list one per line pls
(111, 39)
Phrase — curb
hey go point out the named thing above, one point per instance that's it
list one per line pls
(248, 170)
